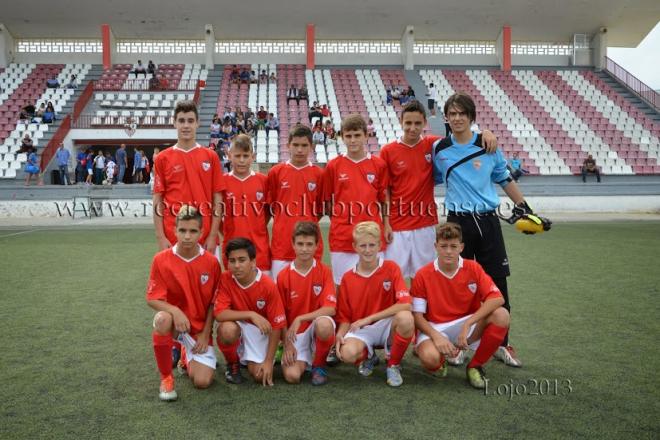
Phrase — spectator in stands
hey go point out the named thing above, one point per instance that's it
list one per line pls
(215, 128)
(389, 100)
(404, 98)
(63, 155)
(292, 94)
(240, 123)
(53, 83)
(110, 170)
(329, 130)
(49, 115)
(27, 113)
(244, 76)
(99, 167)
(475, 127)
(272, 124)
(318, 136)
(151, 68)
(31, 167)
(302, 93)
(26, 143)
(81, 166)
(315, 112)
(235, 75)
(239, 113)
(396, 92)
(227, 130)
(40, 111)
(325, 111)
(253, 77)
(137, 163)
(250, 129)
(589, 167)
(410, 93)
(263, 77)
(90, 166)
(229, 114)
(145, 167)
(516, 167)
(272, 78)
(73, 82)
(371, 130)
(433, 99)
(139, 68)
(262, 116)
(122, 162)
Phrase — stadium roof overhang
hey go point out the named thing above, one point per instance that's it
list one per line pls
(627, 21)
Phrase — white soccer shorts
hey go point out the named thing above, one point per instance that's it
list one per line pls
(207, 358)
(374, 335)
(276, 266)
(450, 330)
(305, 342)
(412, 250)
(253, 346)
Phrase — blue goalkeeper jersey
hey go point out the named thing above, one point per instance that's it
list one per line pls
(469, 174)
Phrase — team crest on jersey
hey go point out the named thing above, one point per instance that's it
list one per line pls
(206, 166)
(260, 195)
(371, 177)
(204, 278)
(317, 289)
(311, 186)
(427, 156)
(387, 285)
(261, 303)
(476, 164)
(472, 286)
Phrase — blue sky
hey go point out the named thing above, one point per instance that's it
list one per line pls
(642, 61)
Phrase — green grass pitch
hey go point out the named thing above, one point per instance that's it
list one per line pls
(77, 359)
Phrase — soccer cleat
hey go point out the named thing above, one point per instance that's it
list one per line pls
(367, 367)
(332, 359)
(508, 356)
(442, 371)
(233, 374)
(167, 391)
(182, 368)
(394, 378)
(477, 377)
(319, 376)
(457, 360)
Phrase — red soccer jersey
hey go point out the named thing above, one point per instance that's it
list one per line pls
(355, 190)
(293, 196)
(306, 293)
(445, 299)
(245, 214)
(187, 177)
(362, 296)
(410, 169)
(189, 285)
(261, 296)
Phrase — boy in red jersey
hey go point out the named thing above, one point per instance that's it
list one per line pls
(354, 190)
(181, 288)
(457, 306)
(373, 308)
(309, 298)
(187, 173)
(246, 212)
(251, 316)
(410, 228)
(294, 189)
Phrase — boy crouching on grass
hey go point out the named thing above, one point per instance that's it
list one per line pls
(457, 306)
(374, 308)
(181, 288)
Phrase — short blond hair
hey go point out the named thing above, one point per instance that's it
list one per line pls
(242, 142)
(188, 212)
(366, 228)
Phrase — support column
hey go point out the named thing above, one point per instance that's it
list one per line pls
(6, 46)
(108, 43)
(599, 47)
(407, 48)
(503, 47)
(309, 46)
(210, 46)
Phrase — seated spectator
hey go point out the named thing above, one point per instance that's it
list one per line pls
(26, 143)
(474, 128)
(31, 166)
(41, 110)
(245, 76)
(292, 94)
(325, 111)
(151, 68)
(403, 98)
(516, 167)
(229, 114)
(253, 77)
(589, 166)
(318, 136)
(396, 93)
(262, 116)
(315, 112)
(49, 115)
(235, 75)
(227, 130)
(272, 78)
(28, 112)
(371, 130)
(263, 77)
(53, 83)
(215, 128)
(272, 124)
(389, 100)
(329, 130)
(302, 93)
(139, 68)
(250, 129)
(410, 92)
(249, 115)
(238, 113)
(73, 82)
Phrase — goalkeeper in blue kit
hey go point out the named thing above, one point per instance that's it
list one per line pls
(471, 200)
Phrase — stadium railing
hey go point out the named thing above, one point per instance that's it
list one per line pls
(54, 142)
(633, 83)
(102, 122)
(143, 85)
(82, 101)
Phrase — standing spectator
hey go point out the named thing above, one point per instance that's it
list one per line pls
(110, 170)
(31, 167)
(433, 99)
(122, 162)
(292, 94)
(215, 128)
(272, 124)
(81, 166)
(589, 166)
(26, 143)
(137, 163)
(99, 167)
(516, 167)
(145, 167)
(139, 68)
(151, 68)
(63, 155)
(90, 166)
(235, 75)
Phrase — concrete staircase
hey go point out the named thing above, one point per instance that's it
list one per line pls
(208, 102)
(436, 124)
(629, 95)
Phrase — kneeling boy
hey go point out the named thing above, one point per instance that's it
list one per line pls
(457, 306)
(249, 310)
(373, 308)
(309, 298)
(181, 287)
